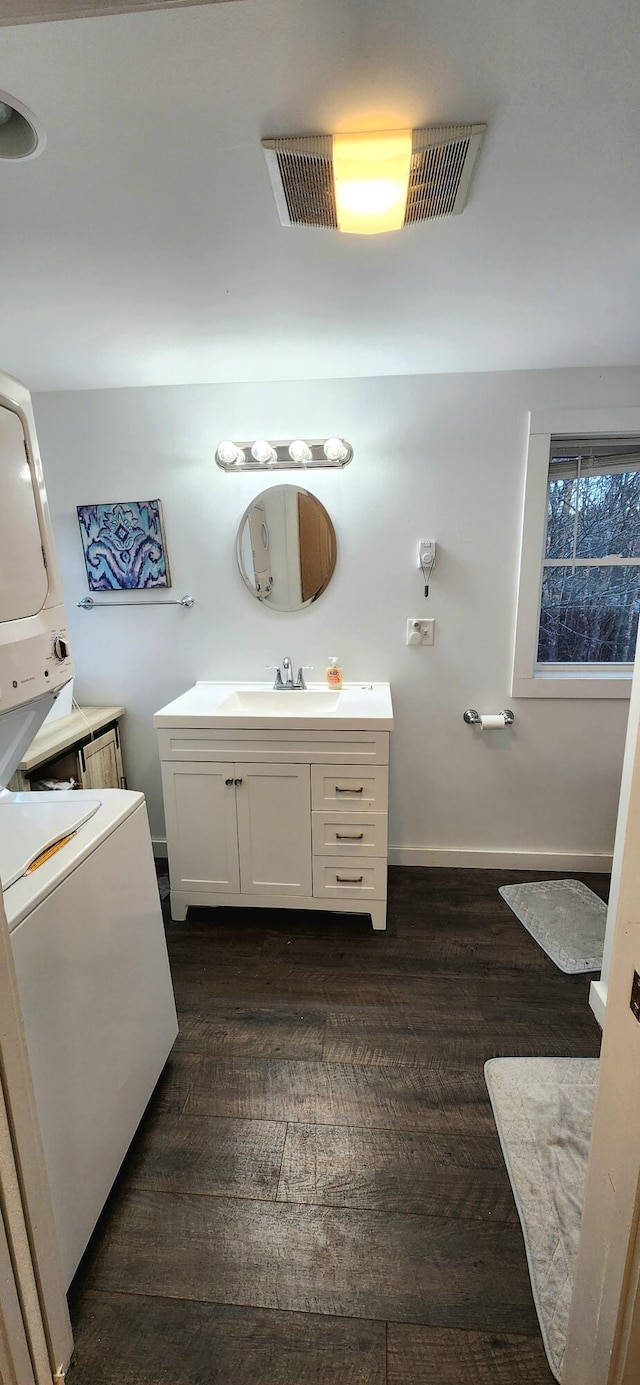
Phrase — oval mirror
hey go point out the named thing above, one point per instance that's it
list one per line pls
(286, 548)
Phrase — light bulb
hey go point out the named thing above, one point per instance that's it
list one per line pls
(227, 452)
(335, 450)
(6, 112)
(299, 451)
(262, 451)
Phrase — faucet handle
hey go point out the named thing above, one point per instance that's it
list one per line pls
(304, 668)
(278, 683)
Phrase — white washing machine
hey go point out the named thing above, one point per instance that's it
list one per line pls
(78, 881)
(94, 983)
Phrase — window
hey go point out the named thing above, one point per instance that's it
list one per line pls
(579, 597)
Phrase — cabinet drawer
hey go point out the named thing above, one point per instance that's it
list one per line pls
(349, 788)
(358, 834)
(348, 877)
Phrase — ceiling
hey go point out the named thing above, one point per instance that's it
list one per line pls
(144, 247)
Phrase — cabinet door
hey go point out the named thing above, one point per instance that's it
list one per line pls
(202, 832)
(101, 762)
(274, 828)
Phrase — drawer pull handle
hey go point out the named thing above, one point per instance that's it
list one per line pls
(343, 837)
(228, 782)
(339, 790)
(349, 879)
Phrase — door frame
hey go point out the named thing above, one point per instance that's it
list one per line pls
(603, 1337)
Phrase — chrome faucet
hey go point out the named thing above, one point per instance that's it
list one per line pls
(287, 684)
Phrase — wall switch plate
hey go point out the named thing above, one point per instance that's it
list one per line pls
(420, 631)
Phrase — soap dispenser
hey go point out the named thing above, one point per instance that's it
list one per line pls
(334, 673)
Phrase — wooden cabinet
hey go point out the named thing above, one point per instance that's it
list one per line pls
(101, 761)
(272, 824)
(84, 747)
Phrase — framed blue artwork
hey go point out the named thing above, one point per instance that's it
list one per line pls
(124, 545)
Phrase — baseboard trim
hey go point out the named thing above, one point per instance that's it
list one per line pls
(480, 860)
(499, 860)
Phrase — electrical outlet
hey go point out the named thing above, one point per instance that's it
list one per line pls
(420, 631)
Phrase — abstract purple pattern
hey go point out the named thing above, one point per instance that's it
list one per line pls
(124, 545)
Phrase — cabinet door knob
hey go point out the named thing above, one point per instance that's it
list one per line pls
(237, 781)
(228, 781)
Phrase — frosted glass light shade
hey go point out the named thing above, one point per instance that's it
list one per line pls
(299, 451)
(335, 450)
(371, 179)
(227, 452)
(262, 451)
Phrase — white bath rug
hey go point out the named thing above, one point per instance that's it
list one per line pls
(543, 1109)
(565, 917)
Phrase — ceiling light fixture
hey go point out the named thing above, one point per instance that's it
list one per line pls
(20, 133)
(366, 183)
(283, 456)
(371, 181)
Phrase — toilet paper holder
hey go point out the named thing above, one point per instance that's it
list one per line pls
(473, 718)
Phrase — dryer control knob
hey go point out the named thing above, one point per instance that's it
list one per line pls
(60, 649)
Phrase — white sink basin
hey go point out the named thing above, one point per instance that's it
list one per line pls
(302, 702)
(357, 705)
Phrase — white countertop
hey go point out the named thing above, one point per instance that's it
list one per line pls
(365, 706)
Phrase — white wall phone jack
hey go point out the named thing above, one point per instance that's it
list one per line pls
(427, 553)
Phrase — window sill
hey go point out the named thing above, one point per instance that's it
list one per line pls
(575, 685)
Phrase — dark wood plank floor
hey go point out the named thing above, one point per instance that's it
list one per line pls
(317, 1194)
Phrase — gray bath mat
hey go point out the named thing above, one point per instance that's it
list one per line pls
(543, 1110)
(565, 917)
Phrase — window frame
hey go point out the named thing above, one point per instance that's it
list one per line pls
(555, 680)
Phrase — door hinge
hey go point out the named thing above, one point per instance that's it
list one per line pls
(635, 996)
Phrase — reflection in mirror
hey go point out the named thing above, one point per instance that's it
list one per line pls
(286, 548)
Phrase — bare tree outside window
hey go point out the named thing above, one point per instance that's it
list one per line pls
(590, 598)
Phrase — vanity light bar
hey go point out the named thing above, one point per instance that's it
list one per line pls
(294, 455)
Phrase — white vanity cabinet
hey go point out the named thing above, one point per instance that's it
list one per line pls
(284, 815)
(237, 829)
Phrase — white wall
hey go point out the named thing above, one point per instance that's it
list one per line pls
(439, 456)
